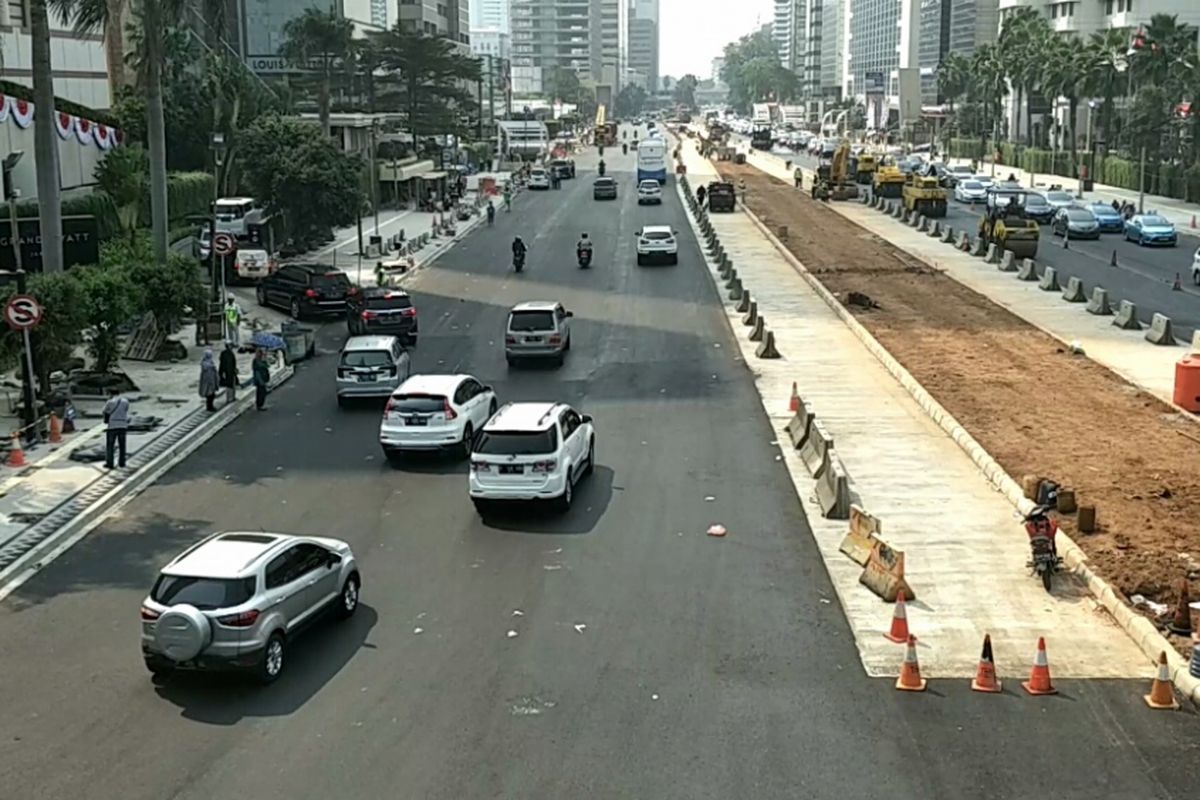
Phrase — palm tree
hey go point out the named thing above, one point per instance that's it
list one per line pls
(45, 144)
(1106, 73)
(988, 87)
(953, 78)
(323, 37)
(1023, 40)
(1067, 68)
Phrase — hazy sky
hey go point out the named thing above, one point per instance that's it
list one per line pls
(694, 32)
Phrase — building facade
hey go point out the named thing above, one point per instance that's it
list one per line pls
(783, 32)
(447, 18)
(612, 44)
(643, 42)
(79, 60)
(491, 42)
(935, 45)
(490, 15)
(588, 37)
(883, 37)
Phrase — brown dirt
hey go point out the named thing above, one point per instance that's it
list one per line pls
(1035, 407)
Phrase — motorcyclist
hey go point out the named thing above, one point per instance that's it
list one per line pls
(624, 149)
(701, 193)
(584, 244)
(1038, 523)
(602, 168)
(518, 249)
(491, 212)
(507, 198)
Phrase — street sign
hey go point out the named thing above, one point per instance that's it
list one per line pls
(22, 312)
(224, 244)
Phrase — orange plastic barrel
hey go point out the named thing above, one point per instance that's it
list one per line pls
(1187, 383)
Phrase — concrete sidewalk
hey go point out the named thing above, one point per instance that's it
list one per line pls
(966, 550)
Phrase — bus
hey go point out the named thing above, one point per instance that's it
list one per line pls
(652, 160)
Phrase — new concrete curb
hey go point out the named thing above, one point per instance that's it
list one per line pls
(1137, 627)
(46, 551)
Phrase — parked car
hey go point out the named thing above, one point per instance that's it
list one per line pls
(1109, 218)
(249, 265)
(657, 243)
(604, 189)
(969, 191)
(239, 600)
(537, 329)
(539, 179)
(1038, 208)
(371, 366)
(435, 412)
(531, 451)
(306, 290)
(203, 243)
(1196, 267)
(1149, 229)
(958, 174)
(1075, 223)
(649, 192)
(382, 310)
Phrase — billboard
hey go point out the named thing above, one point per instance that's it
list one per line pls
(874, 83)
(910, 96)
(81, 242)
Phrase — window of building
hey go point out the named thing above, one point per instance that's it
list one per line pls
(16, 14)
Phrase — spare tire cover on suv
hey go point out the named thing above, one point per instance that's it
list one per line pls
(182, 632)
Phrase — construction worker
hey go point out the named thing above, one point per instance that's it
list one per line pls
(742, 189)
(798, 177)
(233, 322)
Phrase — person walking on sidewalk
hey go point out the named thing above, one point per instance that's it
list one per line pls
(116, 428)
(491, 212)
(261, 373)
(507, 198)
(233, 321)
(209, 380)
(227, 372)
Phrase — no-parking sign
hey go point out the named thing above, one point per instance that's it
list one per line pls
(224, 244)
(22, 312)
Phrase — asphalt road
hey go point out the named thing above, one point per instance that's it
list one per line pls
(1143, 275)
(708, 667)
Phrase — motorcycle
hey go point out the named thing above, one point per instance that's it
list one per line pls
(518, 261)
(1041, 529)
(585, 258)
(601, 169)
(625, 149)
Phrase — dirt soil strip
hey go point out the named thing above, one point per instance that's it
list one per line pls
(1037, 409)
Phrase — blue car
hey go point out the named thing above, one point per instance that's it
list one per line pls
(1150, 229)
(1109, 218)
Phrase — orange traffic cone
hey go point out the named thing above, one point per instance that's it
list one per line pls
(794, 401)
(16, 455)
(1181, 620)
(910, 679)
(55, 429)
(1039, 676)
(899, 631)
(985, 673)
(1162, 695)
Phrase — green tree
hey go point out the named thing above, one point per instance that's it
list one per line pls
(1068, 66)
(987, 91)
(1024, 37)
(169, 292)
(320, 40)
(953, 78)
(61, 329)
(685, 91)
(106, 299)
(1107, 74)
(630, 101)
(45, 138)
(752, 47)
(124, 176)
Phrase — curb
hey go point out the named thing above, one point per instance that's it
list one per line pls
(1138, 628)
(68, 535)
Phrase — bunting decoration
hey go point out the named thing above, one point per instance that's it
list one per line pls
(86, 132)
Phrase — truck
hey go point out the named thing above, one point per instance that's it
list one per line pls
(760, 137)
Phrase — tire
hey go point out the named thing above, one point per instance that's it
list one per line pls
(560, 360)
(674, 258)
(411, 340)
(341, 401)
(482, 507)
(393, 456)
(271, 666)
(566, 499)
(1047, 578)
(294, 309)
(512, 362)
(640, 261)
(348, 601)
(567, 346)
(260, 294)
(464, 447)
(1196, 277)
(591, 462)
(159, 666)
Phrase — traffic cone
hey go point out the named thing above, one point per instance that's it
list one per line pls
(55, 429)
(1181, 622)
(910, 679)
(1039, 676)
(899, 631)
(985, 674)
(1112, 262)
(1162, 694)
(16, 455)
(794, 401)
(1177, 286)
(1193, 221)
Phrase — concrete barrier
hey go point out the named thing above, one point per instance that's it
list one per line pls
(876, 202)
(914, 220)
(862, 198)
(992, 255)
(726, 261)
(751, 315)
(743, 303)
(964, 242)
(759, 328)
(858, 541)
(736, 290)
(1008, 262)
(814, 448)
(898, 211)
(1098, 305)
(883, 573)
(1073, 293)
(1126, 317)
(1049, 281)
(833, 489)
(935, 229)
(948, 235)
(731, 279)
(723, 270)
(766, 348)
(1160, 331)
(923, 224)
(979, 248)
(798, 426)
(1028, 270)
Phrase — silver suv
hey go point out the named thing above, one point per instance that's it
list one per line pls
(237, 600)
(537, 329)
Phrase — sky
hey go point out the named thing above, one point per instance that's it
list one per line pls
(691, 33)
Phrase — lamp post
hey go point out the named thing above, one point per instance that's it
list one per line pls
(375, 172)
(11, 195)
(1087, 148)
(216, 267)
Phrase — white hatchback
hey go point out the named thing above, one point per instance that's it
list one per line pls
(435, 412)
(531, 451)
(649, 192)
(539, 179)
(657, 243)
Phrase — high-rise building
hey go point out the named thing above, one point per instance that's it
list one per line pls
(973, 23)
(883, 38)
(643, 42)
(783, 31)
(447, 18)
(809, 36)
(830, 37)
(613, 43)
(490, 15)
(491, 42)
(548, 35)
(935, 44)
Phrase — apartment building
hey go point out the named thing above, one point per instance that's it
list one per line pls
(490, 15)
(447, 18)
(882, 38)
(613, 44)
(783, 31)
(643, 42)
(589, 37)
(810, 36)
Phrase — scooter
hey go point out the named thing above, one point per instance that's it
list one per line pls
(585, 258)
(518, 261)
(1041, 529)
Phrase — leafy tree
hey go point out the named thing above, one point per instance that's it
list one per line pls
(306, 178)
(169, 292)
(630, 101)
(106, 301)
(1106, 76)
(60, 331)
(124, 176)
(1024, 37)
(1067, 64)
(685, 91)
(564, 85)
(423, 77)
(987, 91)
(953, 78)
(752, 47)
(320, 39)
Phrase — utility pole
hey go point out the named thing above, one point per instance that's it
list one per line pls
(1142, 181)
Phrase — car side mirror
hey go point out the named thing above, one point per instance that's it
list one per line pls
(569, 314)
(587, 418)
(488, 389)
(333, 560)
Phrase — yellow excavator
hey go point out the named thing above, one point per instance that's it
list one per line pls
(924, 195)
(864, 171)
(833, 180)
(1005, 224)
(889, 181)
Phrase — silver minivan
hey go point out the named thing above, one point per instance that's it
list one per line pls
(371, 366)
(537, 329)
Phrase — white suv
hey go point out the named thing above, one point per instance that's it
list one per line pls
(531, 451)
(657, 243)
(649, 192)
(435, 412)
(539, 179)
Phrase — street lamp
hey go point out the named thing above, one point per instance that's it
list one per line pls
(11, 195)
(216, 268)
(1087, 147)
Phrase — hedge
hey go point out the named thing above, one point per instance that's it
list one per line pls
(96, 204)
(188, 193)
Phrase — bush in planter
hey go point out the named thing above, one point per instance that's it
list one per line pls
(169, 291)
(106, 302)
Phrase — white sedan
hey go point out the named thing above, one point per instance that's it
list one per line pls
(970, 191)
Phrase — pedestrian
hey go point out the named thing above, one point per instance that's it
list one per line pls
(116, 422)
(227, 372)
(742, 189)
(491, 212)
(261, 373)
(700, 194)
(233, 321)
(208, 379)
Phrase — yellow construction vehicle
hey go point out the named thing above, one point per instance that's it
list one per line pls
(865, 170)
(889, 181)
(1005, 224)
(924, 195)
(833, 177)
